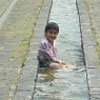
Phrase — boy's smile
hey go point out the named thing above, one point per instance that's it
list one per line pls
(51, 34)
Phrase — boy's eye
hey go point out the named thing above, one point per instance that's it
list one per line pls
(53, 32)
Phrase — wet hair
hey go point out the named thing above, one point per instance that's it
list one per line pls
(52, 25)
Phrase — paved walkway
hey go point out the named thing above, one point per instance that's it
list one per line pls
(27, 82)
(17, 20)
(88, 28)
(93, 13)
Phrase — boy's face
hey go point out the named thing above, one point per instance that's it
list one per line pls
(51, 34)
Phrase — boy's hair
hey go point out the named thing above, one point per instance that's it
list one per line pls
(52, 25)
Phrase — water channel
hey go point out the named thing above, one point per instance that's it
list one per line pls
(63, 84)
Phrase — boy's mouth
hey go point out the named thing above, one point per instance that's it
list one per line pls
(51, 39)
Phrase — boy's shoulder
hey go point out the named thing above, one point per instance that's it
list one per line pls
(44, 44)
(44, 41)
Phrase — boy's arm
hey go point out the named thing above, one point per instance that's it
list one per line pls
(46, 52)
(48, 56)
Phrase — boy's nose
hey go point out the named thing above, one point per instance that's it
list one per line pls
(53, 34)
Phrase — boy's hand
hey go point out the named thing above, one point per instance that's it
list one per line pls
(60, 62)
(63, 63)
(70, 66)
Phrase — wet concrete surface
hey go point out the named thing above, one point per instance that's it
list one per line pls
(63, 84)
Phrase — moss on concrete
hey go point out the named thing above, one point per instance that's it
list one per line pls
(94, 16)
(3, 5)
(16, 33)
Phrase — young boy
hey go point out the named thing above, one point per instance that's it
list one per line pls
(47, 53)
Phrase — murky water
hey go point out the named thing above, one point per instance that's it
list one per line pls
(61, 84)
(64, 84)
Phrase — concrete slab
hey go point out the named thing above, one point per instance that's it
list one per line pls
(16, 29)
(27, 83)
(89, 46)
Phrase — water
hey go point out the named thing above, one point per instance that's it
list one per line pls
(64, 84)
(61, 84)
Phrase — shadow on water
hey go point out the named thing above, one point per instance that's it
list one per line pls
(59, 84)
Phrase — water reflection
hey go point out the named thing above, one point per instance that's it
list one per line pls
(58, 84)
(48, 74)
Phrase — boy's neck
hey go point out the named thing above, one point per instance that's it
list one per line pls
(51, 42)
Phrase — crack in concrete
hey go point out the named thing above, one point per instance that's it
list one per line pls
(83, 49)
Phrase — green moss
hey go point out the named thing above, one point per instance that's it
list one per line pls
(20, 51)
(22, 30)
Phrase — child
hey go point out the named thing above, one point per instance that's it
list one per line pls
(47, 54)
